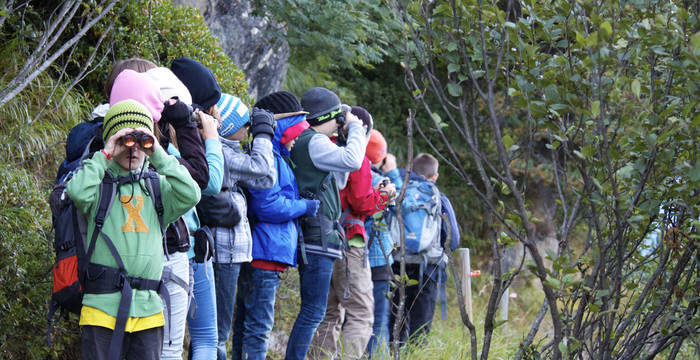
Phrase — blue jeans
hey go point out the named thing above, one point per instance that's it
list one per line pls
(315, 282)
(202, 325)
(226, 279)
(256, 306)
(378, 347)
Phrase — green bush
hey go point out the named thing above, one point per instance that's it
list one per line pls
(160, 32)
(33, 129)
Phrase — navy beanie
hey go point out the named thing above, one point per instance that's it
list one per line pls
(319, 101)
(279, 102)
(199, 80)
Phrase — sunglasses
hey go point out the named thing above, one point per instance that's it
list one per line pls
(143, 140)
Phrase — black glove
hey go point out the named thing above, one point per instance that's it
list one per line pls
(262, 122)
(178, 114)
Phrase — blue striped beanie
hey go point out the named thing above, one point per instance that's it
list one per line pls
(234, 114)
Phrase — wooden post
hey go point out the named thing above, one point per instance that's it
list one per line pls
(465, 267)
(503, 306)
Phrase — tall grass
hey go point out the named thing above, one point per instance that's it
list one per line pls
(448, 339)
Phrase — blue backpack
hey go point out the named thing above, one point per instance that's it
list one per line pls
(420, 209)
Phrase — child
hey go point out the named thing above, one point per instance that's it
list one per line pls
(232, 236)
(205, 92)
(318, 161)
(350, 300)
(380, 247)
(421, 298)
(136, 238)
(275, 233)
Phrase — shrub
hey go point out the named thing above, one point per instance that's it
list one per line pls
(160, 32)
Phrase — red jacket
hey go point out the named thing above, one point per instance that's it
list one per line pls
(362, 200)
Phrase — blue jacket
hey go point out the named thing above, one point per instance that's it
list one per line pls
(276, 232)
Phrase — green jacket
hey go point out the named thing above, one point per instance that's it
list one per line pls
(132, 224)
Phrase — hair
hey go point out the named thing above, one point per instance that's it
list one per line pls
(214, 112)
(425, 164)
(136, 64)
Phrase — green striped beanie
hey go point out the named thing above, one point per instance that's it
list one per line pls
(125, 114)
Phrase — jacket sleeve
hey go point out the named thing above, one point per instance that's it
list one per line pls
(257, 170)
(84, 187)
(272, 207)
(215, 163)
(328, 156)
(179, 191)
(192, 154)
(449, 211)
(362, 198)
(395, 178)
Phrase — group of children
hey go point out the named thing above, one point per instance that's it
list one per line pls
(308, 190)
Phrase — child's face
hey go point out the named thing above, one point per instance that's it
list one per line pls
(290, 144)
(128, 158)
(239, 135)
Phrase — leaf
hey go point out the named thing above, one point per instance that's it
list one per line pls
(695, 42)
(562, 347)
(595, 109)
(695, 172)
(636, 87)
(507, 141)
(452, 67)
(605, 30)
(454, 89)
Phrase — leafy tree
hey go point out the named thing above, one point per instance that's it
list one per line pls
(600, 98)
(328, 35)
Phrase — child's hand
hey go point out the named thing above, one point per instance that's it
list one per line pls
(389, 163)
(152, 149)
(312, 207)
(209, 126)
(350, 118)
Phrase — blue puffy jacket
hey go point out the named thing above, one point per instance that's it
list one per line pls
(275, 233)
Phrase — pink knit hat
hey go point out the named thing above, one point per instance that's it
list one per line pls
(130, 84)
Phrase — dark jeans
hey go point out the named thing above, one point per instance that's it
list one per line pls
(145, 344)
(315, 282)
(255, 306)
(378, 346)
(225, 279)
(420, 304)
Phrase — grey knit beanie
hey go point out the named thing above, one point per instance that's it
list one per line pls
(317, 102)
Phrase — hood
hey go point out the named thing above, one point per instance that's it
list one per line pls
(413, 176)
(139, 87)
(282, 125)
(80, 135)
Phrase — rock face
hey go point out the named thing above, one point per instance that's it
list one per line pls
(245, 39)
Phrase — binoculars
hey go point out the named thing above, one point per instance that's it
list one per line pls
(144, 140)
(340, 118)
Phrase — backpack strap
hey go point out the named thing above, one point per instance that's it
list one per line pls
(152, 180)
(302, 245)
